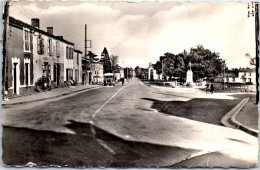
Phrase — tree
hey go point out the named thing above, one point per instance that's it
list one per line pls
(141, 73)
(106, 61)
(114, 63)
(252, 60)
(158, 67)
(171, 65)
(204, 63)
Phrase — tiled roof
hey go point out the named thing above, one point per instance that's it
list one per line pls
(20, 24)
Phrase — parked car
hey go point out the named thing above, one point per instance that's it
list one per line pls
(109, 79)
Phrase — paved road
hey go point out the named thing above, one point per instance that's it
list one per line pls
(116, 126)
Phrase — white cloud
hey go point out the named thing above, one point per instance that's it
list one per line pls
(140, 32)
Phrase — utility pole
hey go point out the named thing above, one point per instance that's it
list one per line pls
(5, 54)
(87, 61)
(224, 75)
(86, 42)
(254, 13)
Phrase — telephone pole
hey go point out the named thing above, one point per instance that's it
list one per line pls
(5, 54)
(87, 60)
(254, 13)
(224, 75)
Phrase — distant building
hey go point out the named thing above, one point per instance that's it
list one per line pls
(97, 72)
(152, 75)
(117, 76)
(244, 76)
(121, 71)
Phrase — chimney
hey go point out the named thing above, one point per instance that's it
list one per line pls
(50, 30)
(35, 22)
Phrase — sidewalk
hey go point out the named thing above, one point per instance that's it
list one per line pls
(249, 115)
(243, 116)
(247, 118)
(56, 92)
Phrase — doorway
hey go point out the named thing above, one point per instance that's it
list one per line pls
(15, 77)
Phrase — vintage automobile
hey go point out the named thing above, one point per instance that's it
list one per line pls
(109, 79)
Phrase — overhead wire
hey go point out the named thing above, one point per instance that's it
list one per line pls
(57, 23)
(31, 14)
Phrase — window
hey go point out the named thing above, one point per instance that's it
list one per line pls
(26, 41)
(67, 52)
(249, 74)
(40, 45)
(70, 53)
(78, 58)
(50, 47)
(58, 49)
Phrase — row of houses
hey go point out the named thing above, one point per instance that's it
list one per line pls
(32, 53)
(245, 75)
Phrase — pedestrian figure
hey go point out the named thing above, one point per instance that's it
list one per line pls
(207, 87)
(211, 88)
(123, 80)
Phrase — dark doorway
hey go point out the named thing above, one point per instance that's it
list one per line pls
(67, 74)
(58, 74)
(27, 74)
(15, 78)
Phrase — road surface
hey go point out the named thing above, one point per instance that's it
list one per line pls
(117, 127)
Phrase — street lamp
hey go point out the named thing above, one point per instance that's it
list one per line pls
(254, 13)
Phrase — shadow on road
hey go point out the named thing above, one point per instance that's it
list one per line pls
(44, 148)
(199, 109)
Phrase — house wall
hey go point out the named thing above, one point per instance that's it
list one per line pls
(68, 64)
(97, 72)
(117, 76)
(77, 66)
(53, 59)
(152, 75)
(122, 73)
(15, 54)
(247, 76)
(28, 65)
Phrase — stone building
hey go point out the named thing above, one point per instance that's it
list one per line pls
(32, 53)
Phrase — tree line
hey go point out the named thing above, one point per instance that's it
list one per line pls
(204, 64)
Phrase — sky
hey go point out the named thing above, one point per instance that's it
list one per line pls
(141, 32)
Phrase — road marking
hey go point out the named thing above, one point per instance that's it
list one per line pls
(94, 115)
(102, 143)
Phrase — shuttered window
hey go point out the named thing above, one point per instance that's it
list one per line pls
(58, 49)
(50, 47)
(40, 45)
(26, 41)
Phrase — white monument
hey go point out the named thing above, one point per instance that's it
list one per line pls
(189, 75)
